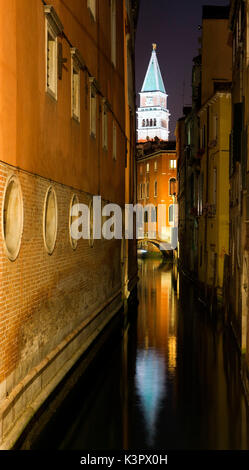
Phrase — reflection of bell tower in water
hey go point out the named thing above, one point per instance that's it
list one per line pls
(153, 115)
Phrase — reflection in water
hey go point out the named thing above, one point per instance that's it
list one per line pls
(153, 329)
(171, 382)
(150, 382)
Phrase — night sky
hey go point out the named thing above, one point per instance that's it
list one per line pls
(173, 25)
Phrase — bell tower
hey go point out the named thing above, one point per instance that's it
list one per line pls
(153, 115)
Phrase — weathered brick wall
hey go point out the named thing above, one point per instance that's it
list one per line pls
(45, 297)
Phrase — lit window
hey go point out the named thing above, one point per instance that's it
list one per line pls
(172, 164)
(114, 145)
(50, 220)
(12, 220)
(147, 167)
(172, 186)
(92, 7)
(105, 125)
(113, 32)
(93, 108)
(155, 165)
(155, 189)
(53, 29)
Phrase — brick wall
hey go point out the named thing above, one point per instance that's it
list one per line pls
(44, 298)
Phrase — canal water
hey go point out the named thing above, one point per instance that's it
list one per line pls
(171, 380)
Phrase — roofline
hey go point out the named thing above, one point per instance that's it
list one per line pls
(153, 54)
(217, 94)
(156, 153)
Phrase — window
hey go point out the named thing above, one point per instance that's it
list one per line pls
(50, 220)
(172, 186)
(114, 145)
(155, 165)
(143, 123)
(51, 63)
(92, 7)
(105, 125)
(12, 220)
(154, 215)
(149, 101)
(147, 168)
(155, 189)
(113, 32)
(189, 134)
(172, 164)
(53, 29)
(171, 214)
(155, 122)
(146, 217)
(93, 108)
(73, 216)
(141, 191)
(148, 190)
(76, 65)
(144, 190)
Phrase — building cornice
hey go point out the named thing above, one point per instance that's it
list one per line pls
(214, 99)
(76, 55)
(155, 154)
(53, 19)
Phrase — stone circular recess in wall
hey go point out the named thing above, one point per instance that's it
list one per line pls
(50, 216)
(12, 217)
(72, 218)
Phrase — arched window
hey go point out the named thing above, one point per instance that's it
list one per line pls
(171, 214)
(154, 122)
(148, 190)
(143, 124)
(172, 186)
(151, 123)
(155, 189)
(147, 122)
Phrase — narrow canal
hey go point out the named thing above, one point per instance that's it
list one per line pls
(170, 381)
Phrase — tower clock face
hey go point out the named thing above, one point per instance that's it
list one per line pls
(149, 101)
